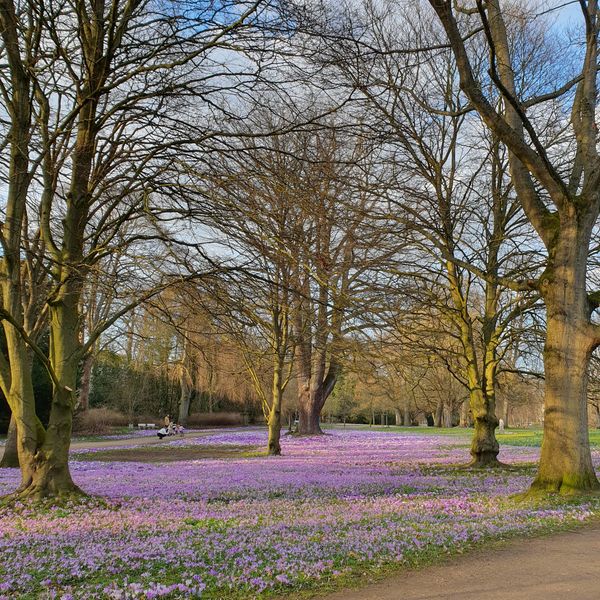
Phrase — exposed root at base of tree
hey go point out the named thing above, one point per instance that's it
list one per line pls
(487, 464)
(43, 496)
(13, 504)
(580, 487)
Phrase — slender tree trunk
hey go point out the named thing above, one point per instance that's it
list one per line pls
(185, 395)
(184, 404)
(274, 446)
(86, 382)
(10, 457)
(464, 414)
(439, 412)
(484, 446)
(506, 412)
(406, 413)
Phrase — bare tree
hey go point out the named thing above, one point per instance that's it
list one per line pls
(558, 189)
(91, 132)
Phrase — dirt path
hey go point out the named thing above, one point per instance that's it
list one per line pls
(564, 566)
(151, 440)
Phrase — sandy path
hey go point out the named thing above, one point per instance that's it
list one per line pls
(564, 566)
(138, 441)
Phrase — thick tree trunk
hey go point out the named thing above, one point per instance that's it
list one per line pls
(45, 472)
(274, 445)
(484, 446)
(10, 457)
(398, 415)
(448, 416)
(565, 462)
(309, 411)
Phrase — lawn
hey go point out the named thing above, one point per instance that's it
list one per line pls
(332, 509)
(510, 437)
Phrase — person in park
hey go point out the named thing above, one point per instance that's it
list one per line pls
(167, 421)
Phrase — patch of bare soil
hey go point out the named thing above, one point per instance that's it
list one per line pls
(167, 454)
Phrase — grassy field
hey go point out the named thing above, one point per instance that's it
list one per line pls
(510, 437)
(206, 517)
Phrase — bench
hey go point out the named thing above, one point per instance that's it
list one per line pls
(146, 426)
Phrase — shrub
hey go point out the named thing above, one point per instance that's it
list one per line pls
(219, 419)
(98, 421)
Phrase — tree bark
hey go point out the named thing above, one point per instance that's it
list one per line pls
(506, 412)
(398, 416)
(566, 462)
(484, 446)
(439, 413)
(464, 414)
(86, 382)
(309, 411)
(185, 385)
(274, 446)
(10, 457)
(184, 401)
(45, 472)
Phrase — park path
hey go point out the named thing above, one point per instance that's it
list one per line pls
(564, 566)
(150, 440)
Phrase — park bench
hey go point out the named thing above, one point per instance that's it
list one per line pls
(146, 426)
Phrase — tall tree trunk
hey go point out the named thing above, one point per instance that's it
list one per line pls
(46, 472)
(86, 381)
(484, 446)
(406, 413)
(184, 402)
(506, 412)
(309, 410)
(448, 415)
(464, 414)
(10, 457)
(566, 462)
(398, 416)
(274, 447)
(439, 412)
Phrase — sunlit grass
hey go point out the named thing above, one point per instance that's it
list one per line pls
(510, 437)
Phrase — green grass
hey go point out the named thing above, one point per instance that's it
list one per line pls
(510, 437)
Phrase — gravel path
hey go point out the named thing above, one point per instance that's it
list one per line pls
(559, 567)
(136, 441)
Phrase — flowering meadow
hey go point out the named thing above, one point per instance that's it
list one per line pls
(252, 526)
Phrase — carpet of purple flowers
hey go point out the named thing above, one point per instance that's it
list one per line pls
(248, 527)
